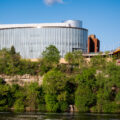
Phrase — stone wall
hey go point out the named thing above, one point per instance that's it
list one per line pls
(22, 79)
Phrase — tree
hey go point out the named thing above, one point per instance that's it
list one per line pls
(69, 58)
(4, 57)
(52, 104)
(84, 98)
(79, 59)
(75, 61)
(98, 62)
(54, 84)
(44, 67)
(9, 61)
(12, 50)
(4, 92)
(87, 78)
(19, 98)
(51, 55)
(32, 93)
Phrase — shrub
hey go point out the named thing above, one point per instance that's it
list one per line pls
(84, 98)
(51, 103)
(19, 105)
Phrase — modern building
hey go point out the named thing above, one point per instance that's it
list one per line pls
(93, 44)
(32, 39)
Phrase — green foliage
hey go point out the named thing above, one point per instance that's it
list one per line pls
(32, 93)
(76, 61)
(12, 51)
(54, 82)
(87, 78)
(110, 107)
(28, 67)
(91, 87)
(51, 103)
(9, 61)
(84, 98)
(63, 106)
(12, 64)
(44, 67)
(51, 55)
(117, 98)
(19, 105)
(4, 92)
(98, 62)
(107, 107)
(79, 59)
(50, 59)
(69, 58)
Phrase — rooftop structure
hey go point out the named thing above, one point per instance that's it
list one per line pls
(68, 23)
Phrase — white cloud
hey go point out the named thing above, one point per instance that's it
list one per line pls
(50, 2)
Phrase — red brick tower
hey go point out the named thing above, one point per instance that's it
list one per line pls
(93, 44)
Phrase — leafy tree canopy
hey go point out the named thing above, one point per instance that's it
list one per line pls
(51, 55)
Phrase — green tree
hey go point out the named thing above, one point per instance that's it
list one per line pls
(79, 59)
(32, 93)
(54, 84)
(69, 58)
(9, 61)
(52, 104)
(87, 78)
(4, 57)
(28, 67)
(19, 105)
(12, 50)
(4, 92)
(84, 98)
(51, 55)
(44, 67)
(99, 62)
(19, 98)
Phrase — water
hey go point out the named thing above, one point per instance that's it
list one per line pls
(58, 116)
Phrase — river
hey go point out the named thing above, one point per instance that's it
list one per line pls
(58, 116)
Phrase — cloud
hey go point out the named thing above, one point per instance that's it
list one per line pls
(51, 2)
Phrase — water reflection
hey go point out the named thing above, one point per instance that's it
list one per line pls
(58, 116)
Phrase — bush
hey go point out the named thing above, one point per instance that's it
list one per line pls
(63, 106)
(19, 105)
(110, 107)
(84, 99)
(106, 107)
(42, 107)
(51, 103)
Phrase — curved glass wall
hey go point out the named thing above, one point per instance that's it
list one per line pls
(31, 42)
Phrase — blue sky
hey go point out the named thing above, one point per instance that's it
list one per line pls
(100, 17)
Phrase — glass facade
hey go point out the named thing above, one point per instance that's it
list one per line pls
(31, 42)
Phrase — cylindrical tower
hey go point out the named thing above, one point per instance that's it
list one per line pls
(74, 23)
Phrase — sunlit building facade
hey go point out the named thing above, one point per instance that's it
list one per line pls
(32, 39)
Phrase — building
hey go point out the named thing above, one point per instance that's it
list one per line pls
(32, 39)
(93, 44)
